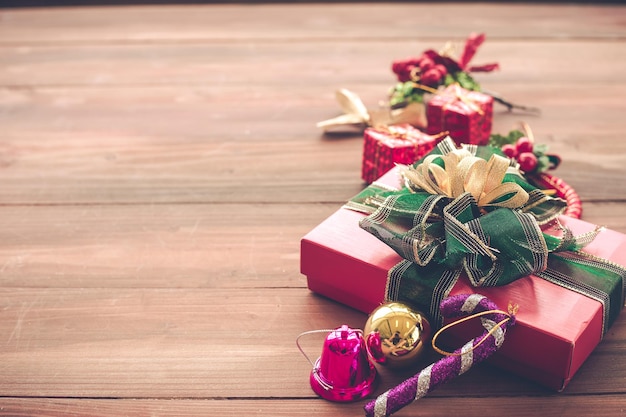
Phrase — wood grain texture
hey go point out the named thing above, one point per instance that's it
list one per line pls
(207, 343)
(610, 406)
(160, 164)
(305, 21)
(288, 64)
(143, 145)
(171, 245)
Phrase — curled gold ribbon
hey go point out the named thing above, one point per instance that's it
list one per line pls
(358, 116)
(463, 172)
(355, 112)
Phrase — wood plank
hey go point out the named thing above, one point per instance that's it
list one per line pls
(172, 246)
(181, 246)
(233, 114)
(209, 343)
(287, 64)
(303, 22)
(134, 169)
(155, 246)
(605, 405)
(216, 179)
(145, 146)
(159, 165)
(599, 213)
(156, 343)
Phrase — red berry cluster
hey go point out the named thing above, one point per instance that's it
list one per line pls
(522, 150)
(429, 69)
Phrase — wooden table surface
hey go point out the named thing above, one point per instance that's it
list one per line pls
(160, 164)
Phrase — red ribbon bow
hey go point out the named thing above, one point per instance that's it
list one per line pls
(471, 46)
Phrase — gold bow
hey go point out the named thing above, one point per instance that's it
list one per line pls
(463, 172)
(355, 111)
(356, 115)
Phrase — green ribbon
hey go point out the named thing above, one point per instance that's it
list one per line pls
(441, 237)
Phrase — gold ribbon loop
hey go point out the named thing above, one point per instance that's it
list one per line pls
(355, 112)
(512, 311)
(358, 116)
(465, 173)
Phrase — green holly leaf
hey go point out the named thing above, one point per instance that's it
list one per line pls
(540, 149)
(405, 93)
(499, 140)
(463, 79)
(543, 163)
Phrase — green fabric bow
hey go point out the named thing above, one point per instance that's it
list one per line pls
(444, 232)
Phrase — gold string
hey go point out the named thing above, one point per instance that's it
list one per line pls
(393, 131)
(414, 74)
(512, 311)
(447, 49)
(396, 133)
(424, 87)
(466, 100)
(528, 131)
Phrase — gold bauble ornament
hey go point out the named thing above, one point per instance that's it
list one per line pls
(396, 335)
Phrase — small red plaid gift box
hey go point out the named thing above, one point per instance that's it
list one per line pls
(386, 146)
(466, 115)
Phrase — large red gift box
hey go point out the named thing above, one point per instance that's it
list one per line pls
(556, 328)
(466, 115)
(386, 146)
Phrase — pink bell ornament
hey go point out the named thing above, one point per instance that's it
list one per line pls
(343, 372)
